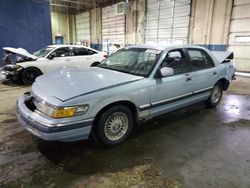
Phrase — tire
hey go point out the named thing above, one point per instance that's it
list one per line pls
(95, 64)
(215, 96)
(29, 75)
(114, 125)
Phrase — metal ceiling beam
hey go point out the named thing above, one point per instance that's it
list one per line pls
(76, 2)
(59, 5)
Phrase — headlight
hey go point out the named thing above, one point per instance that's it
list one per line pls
(61, 112)
(12, 67)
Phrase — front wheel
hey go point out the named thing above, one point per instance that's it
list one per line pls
(29, 75)
(114, 125)
(215, 95)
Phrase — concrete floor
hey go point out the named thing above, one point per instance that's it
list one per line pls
(193, 147)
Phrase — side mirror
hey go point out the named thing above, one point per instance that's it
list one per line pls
(166, 71)
(51, 56)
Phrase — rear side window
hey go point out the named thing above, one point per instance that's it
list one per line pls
(199, 59)
(80, 51)
(91, 52)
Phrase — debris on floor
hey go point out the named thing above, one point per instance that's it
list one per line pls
(143, 176)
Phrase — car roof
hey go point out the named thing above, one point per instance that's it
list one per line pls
(172, 47)
(165, 47)
(68, 45)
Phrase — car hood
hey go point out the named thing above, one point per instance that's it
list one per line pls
(69, 83)
(20, 51)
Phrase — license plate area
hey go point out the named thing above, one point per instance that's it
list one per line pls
(28, 100)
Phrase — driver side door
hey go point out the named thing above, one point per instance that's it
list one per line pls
(59, 57)
(172, 92)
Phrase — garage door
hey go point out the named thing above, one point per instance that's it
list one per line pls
(113, 27)
(82, 27)
(239, 36)
(167, 21)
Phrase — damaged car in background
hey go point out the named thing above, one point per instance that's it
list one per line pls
(134, 84)
(27, 67)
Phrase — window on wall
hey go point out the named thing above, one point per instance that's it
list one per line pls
(199, 59)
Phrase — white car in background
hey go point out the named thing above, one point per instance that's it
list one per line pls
(29, 66)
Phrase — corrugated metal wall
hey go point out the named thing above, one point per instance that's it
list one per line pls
(83, 27)
(167, 21)
(209, 23)
(239, 36)
(60, 25)
(113, 27)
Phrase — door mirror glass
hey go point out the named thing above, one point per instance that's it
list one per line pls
(167, 71)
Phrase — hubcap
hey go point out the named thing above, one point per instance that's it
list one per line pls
(116, 126)
(216, 94)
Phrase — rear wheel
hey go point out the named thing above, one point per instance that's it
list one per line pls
(114, 125)
(215, 96)
(30, 74)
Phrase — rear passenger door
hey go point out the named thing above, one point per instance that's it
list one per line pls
(204, 73)
(82, 57)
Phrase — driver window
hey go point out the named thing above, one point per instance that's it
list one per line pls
(61, 52)
(176, 60)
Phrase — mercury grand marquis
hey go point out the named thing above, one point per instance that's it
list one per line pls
(134, 84)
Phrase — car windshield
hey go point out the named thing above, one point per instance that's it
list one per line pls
(136, 61)
(43, 52)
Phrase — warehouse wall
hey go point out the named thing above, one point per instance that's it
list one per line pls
(95, 28)
(24, 24)
(209, 23)
(239, 36)
(135, 23)
(63, 24)
(215, 24)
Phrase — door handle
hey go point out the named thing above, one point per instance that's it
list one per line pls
(215, 73)
(67, 59)
(188, 79)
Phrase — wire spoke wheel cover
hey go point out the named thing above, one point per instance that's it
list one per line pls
(116, 126)
(216, 94)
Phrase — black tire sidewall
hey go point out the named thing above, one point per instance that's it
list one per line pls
(34, 70)
(102, 120)
(210, 102)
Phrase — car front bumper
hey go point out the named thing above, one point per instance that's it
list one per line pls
(41, 126)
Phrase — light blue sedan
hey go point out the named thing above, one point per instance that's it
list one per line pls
(133, 85)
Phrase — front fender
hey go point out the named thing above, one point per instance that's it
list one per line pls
(137, 98)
